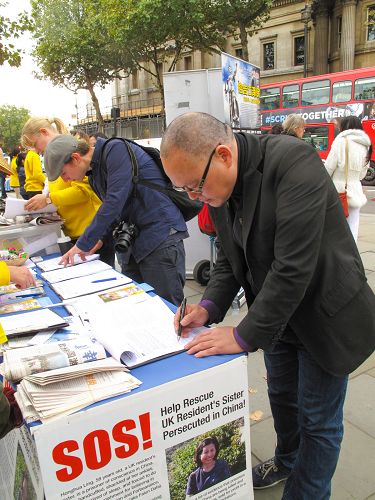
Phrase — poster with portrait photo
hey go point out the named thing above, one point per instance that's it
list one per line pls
(211, 461)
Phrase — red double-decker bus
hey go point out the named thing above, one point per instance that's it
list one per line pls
(321, 99)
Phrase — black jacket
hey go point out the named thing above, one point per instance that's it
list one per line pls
(303, 267)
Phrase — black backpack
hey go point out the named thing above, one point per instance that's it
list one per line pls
(189, 208)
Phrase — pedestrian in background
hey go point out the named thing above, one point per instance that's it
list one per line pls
(21, 173)
(276, 129)
(347, 164)
(284, 239)
(14, 181)
(294, 125)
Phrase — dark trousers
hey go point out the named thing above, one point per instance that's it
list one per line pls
(307, 408)
(2, 185)
(30, 194)
(164, 269)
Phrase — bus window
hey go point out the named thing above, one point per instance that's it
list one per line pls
(315, 92)
(317, 137)
(364, 88)
(270, 98)
(290, 96)
(342, 91)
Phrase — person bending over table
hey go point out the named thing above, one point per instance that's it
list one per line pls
(283, 238)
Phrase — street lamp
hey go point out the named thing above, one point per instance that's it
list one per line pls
(305, 18)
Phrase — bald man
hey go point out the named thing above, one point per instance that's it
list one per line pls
(285, 240)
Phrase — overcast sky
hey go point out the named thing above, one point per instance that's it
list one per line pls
(20, 88)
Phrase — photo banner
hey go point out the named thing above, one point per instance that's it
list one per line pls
(145, 445)
(241, 91)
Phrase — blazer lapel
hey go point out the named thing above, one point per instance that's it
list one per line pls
(252, 182)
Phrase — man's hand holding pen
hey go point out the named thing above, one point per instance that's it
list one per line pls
(213, 341)
(194, 316)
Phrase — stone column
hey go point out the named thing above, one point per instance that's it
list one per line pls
(321, 25)
(348, 34)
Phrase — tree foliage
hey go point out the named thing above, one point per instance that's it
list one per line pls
(73, 47)
(181, 462)
(240, 18)
(9, 31)
(12, 119)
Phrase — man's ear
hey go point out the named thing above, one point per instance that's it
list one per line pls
(225, 154)
(75, 156)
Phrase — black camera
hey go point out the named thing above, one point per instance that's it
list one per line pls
(124, 235)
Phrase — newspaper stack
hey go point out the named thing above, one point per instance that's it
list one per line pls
(63, 398)
(19, 363)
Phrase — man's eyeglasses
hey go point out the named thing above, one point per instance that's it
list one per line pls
(199, 188)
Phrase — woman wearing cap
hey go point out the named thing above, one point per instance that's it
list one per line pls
(76, 202)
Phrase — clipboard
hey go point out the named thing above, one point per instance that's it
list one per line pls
(38, 320)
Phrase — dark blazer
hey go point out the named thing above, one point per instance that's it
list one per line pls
(300, 265)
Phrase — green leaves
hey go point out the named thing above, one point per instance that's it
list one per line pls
(10, 30)
(12, 119)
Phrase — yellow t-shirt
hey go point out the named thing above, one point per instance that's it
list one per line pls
(33, 172)
(4, 280)
(76, 203)
(14, 181)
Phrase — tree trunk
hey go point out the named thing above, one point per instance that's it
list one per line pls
(96, 105)
(243, 38)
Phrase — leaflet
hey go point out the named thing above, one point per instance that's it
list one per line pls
(137, 333)
(70, 272)
(30, 322)
(51, 264)
(15, 206)
(90, 284)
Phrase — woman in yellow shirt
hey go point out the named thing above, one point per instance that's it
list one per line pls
(14, 180)
(76, 202)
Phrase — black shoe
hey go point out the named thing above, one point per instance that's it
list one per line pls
(268, 474)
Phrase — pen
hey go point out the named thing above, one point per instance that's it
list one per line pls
(105, 279)
(182, 314)
(27, 295)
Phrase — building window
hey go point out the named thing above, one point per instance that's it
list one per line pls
(188, 63)
(239, 53)
(371, 23)
(269, 55)
(135, 79)
(299, 51)
(339, 30)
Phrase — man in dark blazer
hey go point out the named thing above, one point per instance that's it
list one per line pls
(284, 239)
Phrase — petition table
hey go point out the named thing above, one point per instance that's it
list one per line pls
(136, 445)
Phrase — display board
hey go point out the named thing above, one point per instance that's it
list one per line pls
(143, 445)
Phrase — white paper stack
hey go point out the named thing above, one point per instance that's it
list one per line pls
(63, 398)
